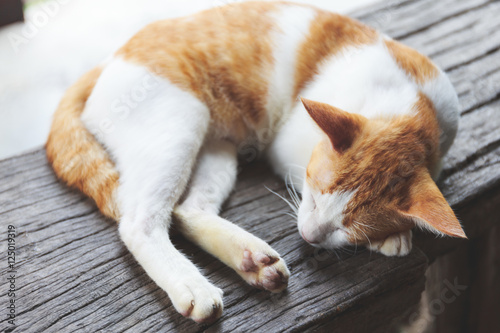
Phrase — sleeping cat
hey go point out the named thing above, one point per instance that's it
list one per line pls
(154, 132)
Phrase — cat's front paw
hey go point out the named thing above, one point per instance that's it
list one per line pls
(264, 270)
(198, 299)
(395, 245)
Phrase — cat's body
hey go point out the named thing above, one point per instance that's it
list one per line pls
(182, 98)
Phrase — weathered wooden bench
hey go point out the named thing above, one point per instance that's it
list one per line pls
(74, 274)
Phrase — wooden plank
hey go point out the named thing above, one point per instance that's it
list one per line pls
(402, 19)
(74, 267)
(74, 273)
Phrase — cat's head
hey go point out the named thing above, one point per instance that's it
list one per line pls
(368, 181)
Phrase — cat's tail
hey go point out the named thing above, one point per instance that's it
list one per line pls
(75, 155)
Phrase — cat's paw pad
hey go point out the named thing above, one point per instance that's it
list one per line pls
(264, 271)
(395, 245)
(198, 299)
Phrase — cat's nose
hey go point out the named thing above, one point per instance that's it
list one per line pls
(312, 233)
(309, 240)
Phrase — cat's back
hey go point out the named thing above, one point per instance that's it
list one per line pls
(205, 40)
(246, 61)
(222, 55)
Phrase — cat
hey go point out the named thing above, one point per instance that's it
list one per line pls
(154, 132)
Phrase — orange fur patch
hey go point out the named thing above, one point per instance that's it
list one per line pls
(429, 206)
(222, 55)
(75, 155)
(412, 62)
(329, 34)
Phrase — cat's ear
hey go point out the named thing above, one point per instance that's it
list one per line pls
(430, 210)
(341, 127)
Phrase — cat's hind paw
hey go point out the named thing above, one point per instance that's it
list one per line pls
(199, 300)
(395, 245)
(264, 271)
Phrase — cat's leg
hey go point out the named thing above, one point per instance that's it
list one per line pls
(398, 244)
(252, 258)
(155, 186)
(154, 147)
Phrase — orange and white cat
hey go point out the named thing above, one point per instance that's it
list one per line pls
(155, 131)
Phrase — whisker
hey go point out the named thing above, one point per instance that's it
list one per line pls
(292, 196)
(367, 226)
(289, 181)
(295, 192)
(336, 254)
(296, 176)
(369, 242)
(296, 166)
(294, 209)
(346, 250)
(292, 193)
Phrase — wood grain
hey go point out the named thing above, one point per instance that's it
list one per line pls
(74, 274)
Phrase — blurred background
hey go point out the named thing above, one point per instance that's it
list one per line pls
(60, 40)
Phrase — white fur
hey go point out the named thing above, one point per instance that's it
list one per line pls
(440, 91)
(363, 80)
(320, 217)
(292, 27)
(291, 149)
